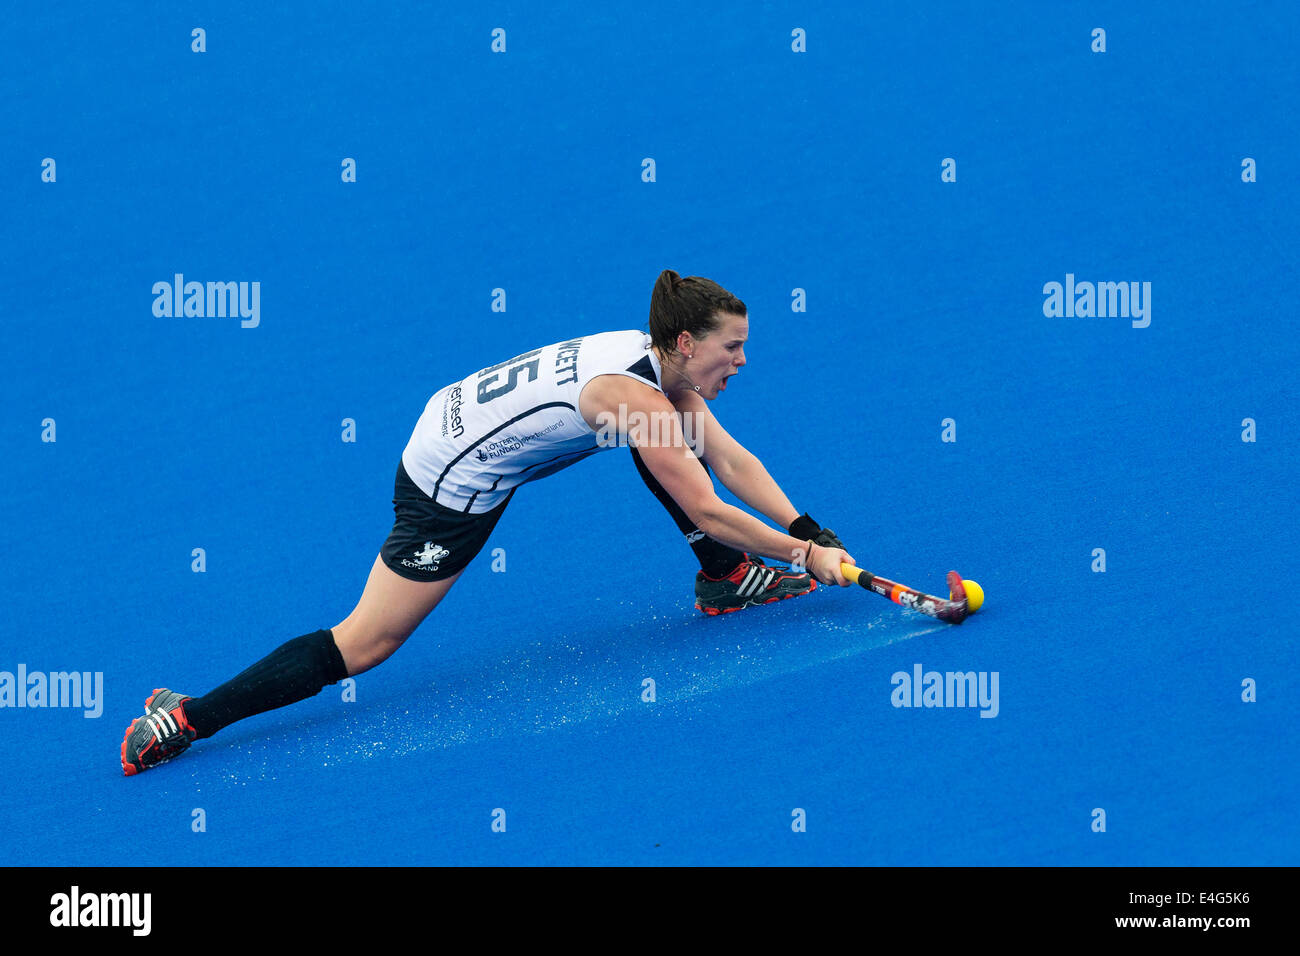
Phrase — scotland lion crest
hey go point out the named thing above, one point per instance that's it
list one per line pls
(430, 556)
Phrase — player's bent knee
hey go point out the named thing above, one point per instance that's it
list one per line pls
(364, 647)
(390, 609)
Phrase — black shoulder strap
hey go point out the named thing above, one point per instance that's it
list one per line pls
(643, 368)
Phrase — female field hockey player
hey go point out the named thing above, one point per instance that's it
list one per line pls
(479, 439)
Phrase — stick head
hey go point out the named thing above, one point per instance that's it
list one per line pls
(956, 587)
(968, 591)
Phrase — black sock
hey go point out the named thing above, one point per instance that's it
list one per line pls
(294, 671)
(716, 559)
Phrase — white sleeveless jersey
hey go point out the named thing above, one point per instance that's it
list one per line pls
(482, 437)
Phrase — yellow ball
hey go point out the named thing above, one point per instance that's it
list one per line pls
(974, 596)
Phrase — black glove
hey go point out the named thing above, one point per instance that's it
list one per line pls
(806, 529)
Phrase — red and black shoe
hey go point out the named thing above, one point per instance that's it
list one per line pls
(752, 582)
(160, 734)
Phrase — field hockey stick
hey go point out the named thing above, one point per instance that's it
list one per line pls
(954, 611)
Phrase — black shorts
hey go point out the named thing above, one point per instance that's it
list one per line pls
(430, 542)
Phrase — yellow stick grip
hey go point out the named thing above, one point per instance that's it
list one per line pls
(850, 572)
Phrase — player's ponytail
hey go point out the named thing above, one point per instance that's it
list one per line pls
(692, 304)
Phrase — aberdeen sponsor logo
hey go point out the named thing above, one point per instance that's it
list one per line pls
(1101, 299)
(451, 423)
(25, 688)
(213, 300)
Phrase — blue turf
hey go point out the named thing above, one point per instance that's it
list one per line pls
(775, 171)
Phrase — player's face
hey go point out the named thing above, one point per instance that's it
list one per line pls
(719, 355)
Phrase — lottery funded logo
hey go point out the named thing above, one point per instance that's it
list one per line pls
(511, 443)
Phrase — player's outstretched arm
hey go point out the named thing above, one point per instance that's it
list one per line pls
(744, 475)
(666, 454)
(737, 468)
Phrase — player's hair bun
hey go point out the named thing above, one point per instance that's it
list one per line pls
(690, 304)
